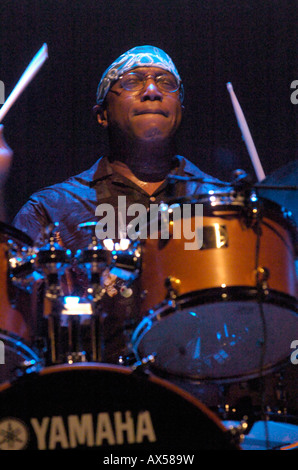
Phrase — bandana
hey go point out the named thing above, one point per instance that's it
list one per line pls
(140, 56)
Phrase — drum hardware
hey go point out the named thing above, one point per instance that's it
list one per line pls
(21, 261)
(141, 367)
(271, 397)
(21, 258)
(279, 412)
(238, 431)
(80, 356)
(262, 275)
(126, 265)
(125, 268)
(172, 285)
(128, 259)
(52, 260)
(116, 268)
(94, 259)
(127, 360)
(241, 180)
(19, 358)
(252, 212)
(27, 367)
(70, 318)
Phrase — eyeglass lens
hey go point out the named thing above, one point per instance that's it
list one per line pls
(134, 81)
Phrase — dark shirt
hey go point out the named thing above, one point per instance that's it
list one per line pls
(74, 201)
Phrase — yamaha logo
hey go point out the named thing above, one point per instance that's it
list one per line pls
(14, 434)
(88, 430)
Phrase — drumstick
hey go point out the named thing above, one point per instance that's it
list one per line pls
(246, 134)
(27, 76)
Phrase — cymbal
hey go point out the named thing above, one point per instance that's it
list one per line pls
(287, 175)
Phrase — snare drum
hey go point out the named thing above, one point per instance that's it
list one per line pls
(99, 407)
(226, 310)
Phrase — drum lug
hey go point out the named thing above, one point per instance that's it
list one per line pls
(173, 286)
(75, 357)
(140, 367)
(127, 359)
(143, 294)
(262, 275)
(27, 367)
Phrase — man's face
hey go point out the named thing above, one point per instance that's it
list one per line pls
(148, 114)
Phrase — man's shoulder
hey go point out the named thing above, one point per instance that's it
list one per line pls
(72, 185)
(192, 169)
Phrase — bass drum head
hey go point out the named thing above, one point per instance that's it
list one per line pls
(14, 355)
(99, 407)
(221, 340)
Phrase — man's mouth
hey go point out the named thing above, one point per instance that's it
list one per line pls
(151, 111)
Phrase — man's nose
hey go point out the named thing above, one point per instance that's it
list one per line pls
(151, 91)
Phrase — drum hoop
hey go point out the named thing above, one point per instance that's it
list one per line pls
(60, 368)
(244, 293)
(269, 209)
(18, 342)
(215, 295)
(17, 235)
(254, 374)
(212, 295)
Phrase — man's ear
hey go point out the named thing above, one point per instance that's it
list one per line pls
(101, 115)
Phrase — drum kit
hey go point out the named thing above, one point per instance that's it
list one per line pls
(203, 360)
(209, 345)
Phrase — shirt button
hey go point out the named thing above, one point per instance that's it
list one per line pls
(152, 199)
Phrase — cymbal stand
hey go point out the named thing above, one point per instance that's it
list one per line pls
(94, 260)
(51, 259)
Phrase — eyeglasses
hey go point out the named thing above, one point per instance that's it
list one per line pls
(136, 82)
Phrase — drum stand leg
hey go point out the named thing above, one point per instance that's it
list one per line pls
(96, 338)
(54, 335)
(74, 341)
(96, 330)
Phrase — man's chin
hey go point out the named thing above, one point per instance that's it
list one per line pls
(151, 134)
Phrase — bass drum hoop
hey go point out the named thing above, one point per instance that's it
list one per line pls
(142, 381)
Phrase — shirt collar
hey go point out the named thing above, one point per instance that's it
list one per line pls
(104, 169)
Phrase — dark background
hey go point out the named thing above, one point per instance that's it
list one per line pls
(51, 127)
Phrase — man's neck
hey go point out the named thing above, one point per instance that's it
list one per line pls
(147, 161)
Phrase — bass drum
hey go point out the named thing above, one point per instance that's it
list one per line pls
(108, 408)
(225, 310)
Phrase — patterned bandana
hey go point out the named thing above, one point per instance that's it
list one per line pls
(140, 56)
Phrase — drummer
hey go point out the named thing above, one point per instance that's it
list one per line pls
(139, 102)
